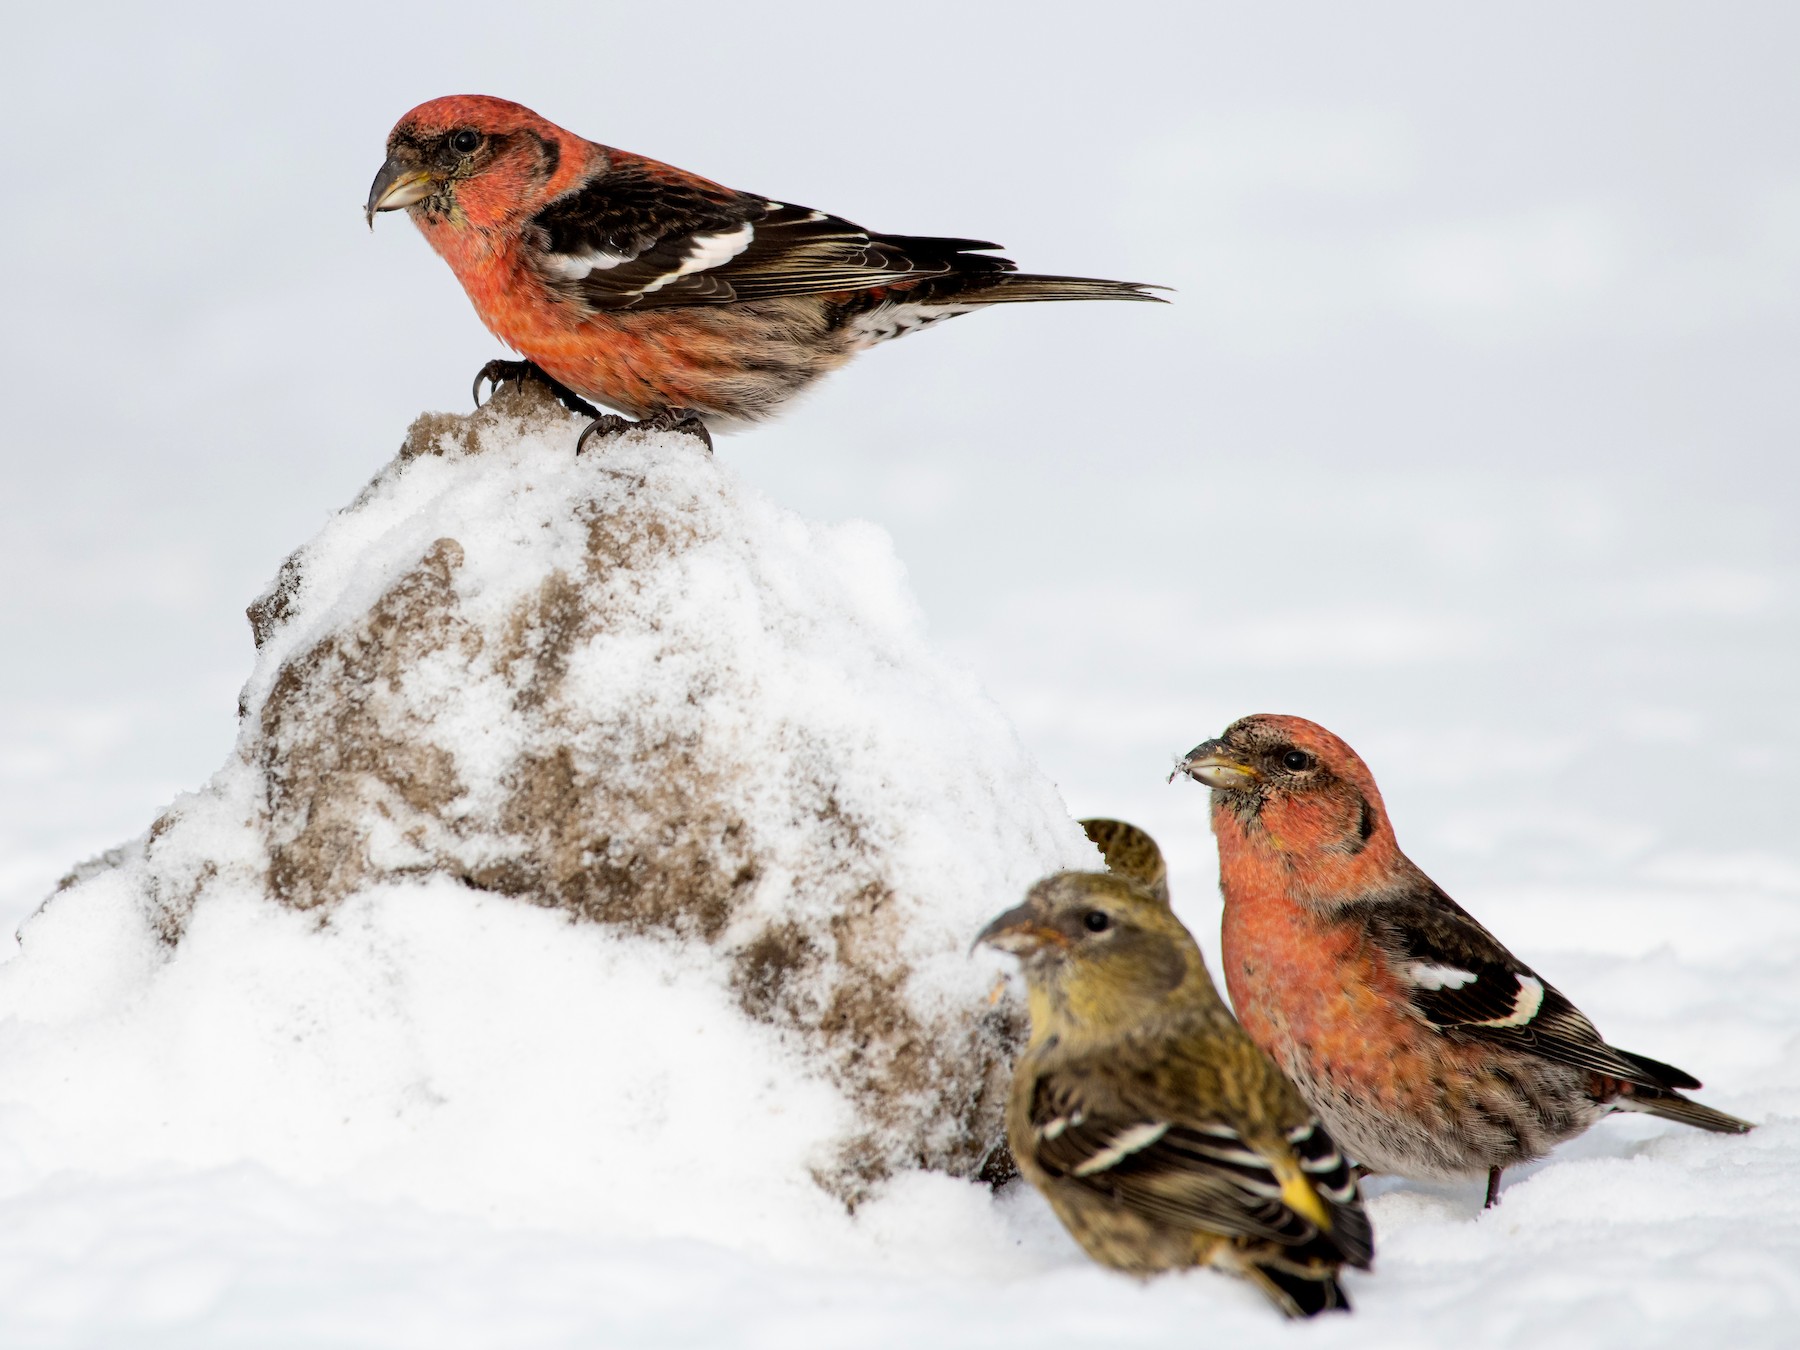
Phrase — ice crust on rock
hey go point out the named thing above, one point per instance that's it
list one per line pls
(602, 844)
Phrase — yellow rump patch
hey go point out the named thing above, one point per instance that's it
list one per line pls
(1297, 1194)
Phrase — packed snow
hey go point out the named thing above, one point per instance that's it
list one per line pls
(511, 688)
(1470, 435)
(333, 1055)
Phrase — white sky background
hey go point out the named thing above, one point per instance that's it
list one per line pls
(1471, 432)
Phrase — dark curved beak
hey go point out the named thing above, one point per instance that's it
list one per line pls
(1019, 932)
(1213, 764)
(401, 182)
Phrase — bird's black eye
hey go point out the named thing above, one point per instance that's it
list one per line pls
(1297, 760)
(465, 141)
(1096, 921)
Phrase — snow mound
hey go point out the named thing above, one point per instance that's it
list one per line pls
(602, 845)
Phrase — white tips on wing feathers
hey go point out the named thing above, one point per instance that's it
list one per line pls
(1526, 1001)
(1429, 976)
(1525, 1005)
(708, 250)
(575, 266)
(703, 251)
(1320, 1160)
(1053, 1129)
(1122, 1146)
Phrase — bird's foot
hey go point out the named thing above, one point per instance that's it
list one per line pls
(1493, 1190)
(684, 420)
(497, 373)
(604, 425)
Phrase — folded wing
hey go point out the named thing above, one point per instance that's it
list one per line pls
(634, 239)
(1205, 1175)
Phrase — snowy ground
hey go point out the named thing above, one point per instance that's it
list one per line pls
(1472, 436)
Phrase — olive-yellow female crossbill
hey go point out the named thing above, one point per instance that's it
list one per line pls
(1160, 1135)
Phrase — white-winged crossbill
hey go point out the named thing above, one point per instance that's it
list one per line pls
(1429, 1049)
(661, 293)
(1160, 1135)
(1131, 853)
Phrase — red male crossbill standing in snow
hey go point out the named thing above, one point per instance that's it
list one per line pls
(1428, 1049)
(656, 291)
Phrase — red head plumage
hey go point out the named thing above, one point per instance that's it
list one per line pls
(1291, 796)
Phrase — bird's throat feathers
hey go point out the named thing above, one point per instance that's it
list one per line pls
(1323, 848)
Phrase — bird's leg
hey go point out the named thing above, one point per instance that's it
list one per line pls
(498, 372)
(998, 1168)
(1493, 1191)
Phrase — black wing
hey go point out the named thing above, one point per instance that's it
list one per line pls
(1203, 1176)
(1463, 981)
(636, 239)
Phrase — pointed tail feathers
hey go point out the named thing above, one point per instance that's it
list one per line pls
(1676, 1107)
(1010, 287)
(1664, 1098)
(1300, 1295)
(1666, 1074)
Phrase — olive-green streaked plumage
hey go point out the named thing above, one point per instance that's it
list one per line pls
(1130, 853)
(1160, 1135)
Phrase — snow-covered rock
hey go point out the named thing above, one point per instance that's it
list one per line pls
(448, 1014)
(602, 844)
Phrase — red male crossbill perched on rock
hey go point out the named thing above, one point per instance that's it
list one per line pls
(1429, 1050)
(657, 292)
(1159, 1134)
